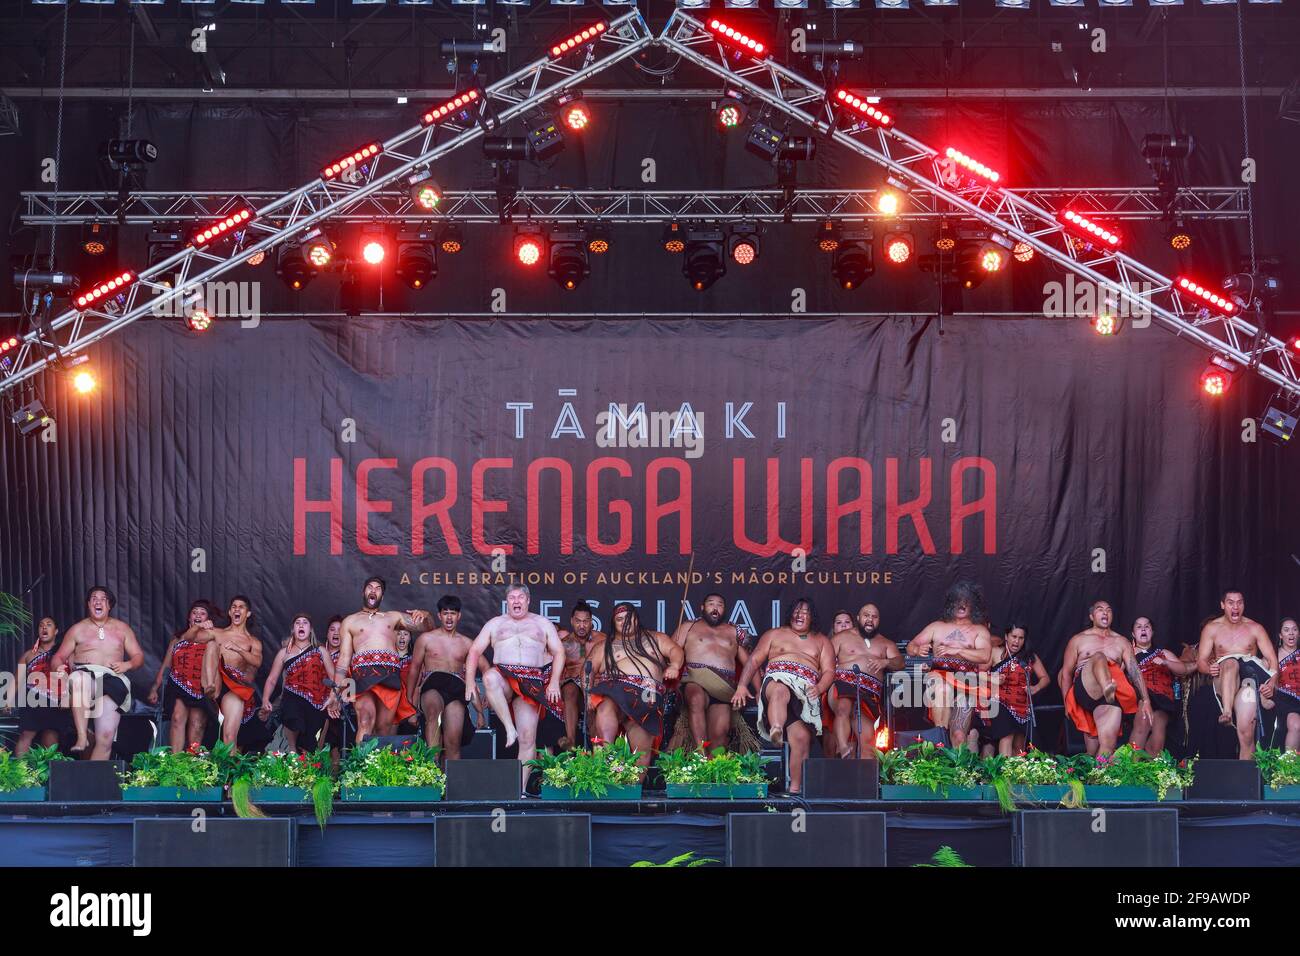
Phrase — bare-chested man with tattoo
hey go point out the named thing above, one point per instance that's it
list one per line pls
(875, 655)
(960, 649)
(1237, 653)
(716, 650)
(436, 681)
(1101, 681)
(579, 641)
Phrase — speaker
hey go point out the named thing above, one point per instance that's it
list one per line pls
(167, 841)
(483, 779)
(828, 778)
(513, 839)
(73, 780)
(135, 733)
(482, 747)
(1100, 837)
(804, 838)
(1225, 780)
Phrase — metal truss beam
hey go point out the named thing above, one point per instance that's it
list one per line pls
(621, 205)
(288, 215)
(1004, 211)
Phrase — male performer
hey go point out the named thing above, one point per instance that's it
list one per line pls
(523, 684)
(102, 649)
(1159, 667)
(800, 668)
(1101, 682)
(42, 711)
(715, 650)
(960, 648)
(368, 655)
(230, 664)
(436, 684)
(1237, 653)
(874, 654)
(182, 666)
(627, 685)
(580, 642)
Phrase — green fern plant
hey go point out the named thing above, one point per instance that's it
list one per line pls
(14, 615)
(686, 859)
(945, 856)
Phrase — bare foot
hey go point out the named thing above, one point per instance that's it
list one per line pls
(845, 752)
(1225, 718)
(1108, 692)
(511, 736)
(81, 744)
(777, 736)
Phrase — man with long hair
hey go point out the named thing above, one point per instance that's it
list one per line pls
(960, 648)
(628, 678)
(580, 641)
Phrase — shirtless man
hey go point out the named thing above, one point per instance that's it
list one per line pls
(1101, 682)
(523, 684)
(800, 668)
(230, 664)
(101, 649)
(579, 641)
(628, 678)
(368, 657)
(874, 654)
(436, 685)
(960, 649)
(714, 652)
(1159, 666)
(1237, 653)
(41, 715)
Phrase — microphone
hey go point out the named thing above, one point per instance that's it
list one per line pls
(856, 669)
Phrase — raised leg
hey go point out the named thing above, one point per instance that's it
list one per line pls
(499, 694)
(1227, 683)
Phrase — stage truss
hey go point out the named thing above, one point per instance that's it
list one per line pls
(1019, 215)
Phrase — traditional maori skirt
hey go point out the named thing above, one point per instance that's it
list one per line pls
(640, 699)
(451, 687)
(804, 705)
(1079, 704)
(530, 684)
(380, 673)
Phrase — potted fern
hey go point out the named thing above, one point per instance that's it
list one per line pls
(1033, 777)
(692, 774)
(928, 771)
(159, 775)
(23, 779)
(374, 773)
(1131, 774)
(1281, 772)
(280, 777)
(607, 772)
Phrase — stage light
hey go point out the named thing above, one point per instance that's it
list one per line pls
(1022, 252)
(257, 258)
(795, 149)
(1206, 296)
(992, 259)
(1278, 421)
(945, 240)
(317, 249)
(568, 263)
(828, 236)
(110, 287)
(1088, 229)
(163, 243)
(424, 189)
(853, 262)
(1180, 238)
(731, 115)
(704, 263)
(31, 418)
(417, 260)
(292, 268)
(198, 320)
(1107, 321)
(373, 251)
(589, 35)
(545, 139)
(887, 203)
(451, 240)
(899, 247)
(128, 153)
(95, 238)
(972, 165)
(598, 239)
(764, 141)
(1218, 376)
(356, 160)
(1013, 4)
(9, 343)
(458, 105)
(84, 382)
(1167, 146)
(976, 260)
(223, 228)
(529, 246)
(672, 238)
(743, 244)
(573, 112)
(741, 41)
(862, 107)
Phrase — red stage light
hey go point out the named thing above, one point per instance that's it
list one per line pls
(898, 247)
(869, 111)
(731, 115)
(9, 343)
(576, 116)
(200, 320)
(223, 228)
(1023, 252)
(1089, 229)
(110, 287)
(528, 250)
(1105, 323)
(449, 108)
(373, 252)
(1208, 296)
(744, 253)
(347, 162)
(579, 39)
(320, 253)
(736, 38)
(1214, 382)
(972, 165)
(991, 259)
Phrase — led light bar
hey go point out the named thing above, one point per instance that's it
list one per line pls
(347, 162)
(868, 111)
(1208, 296)
(736, 38)
(1088, 229)
(104, 289)
(588, 35)
(224, 227)
(972, 165)
(450, 108)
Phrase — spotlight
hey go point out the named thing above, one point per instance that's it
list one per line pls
(797, 149)
(358, 159)
(945, 240)
(887, 203)
(899, 247)
(863, 108)
(743, 42)
(317, 249)
(742, 244)
(424, 189)
(1090, 231)
(84, 382)
(828, 236)
(598, 239)
(163, 243)
(1022, 252)
(451, 240)
(95, 238)
(704, 263)
(257, 258)
(198, 320)
(417, 261)
(992, 258)
(574, 113)
(292, 268)
(1218, 376)
(672, 239)
(459, 106)
(568, 264)
(589, 35)
(1166, 146)
(1180, 238)
(853, 263)
(1279, 420)
(529, 246)
(373, 244)
(226, 227)
(128, 153)
(731, 110)
(976, 260)
(1107, 321)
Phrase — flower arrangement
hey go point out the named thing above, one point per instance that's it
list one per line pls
(720, 767)
(931, 765)
(1279, 768)
(1032, 768)
(591, 771)
(306, 771)
(191, 769)
(1130, 766)
(370, 765)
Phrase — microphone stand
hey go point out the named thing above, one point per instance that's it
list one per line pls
(857, 711)
(586, 689)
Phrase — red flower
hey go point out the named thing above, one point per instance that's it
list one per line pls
(316, 765)
(596, 741)
(939, 745)
(409, 758)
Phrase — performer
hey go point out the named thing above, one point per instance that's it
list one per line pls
(435, 683)
(368, 654)
(102, 650)
(1159, 667)
(43, 712)
(411, 724)
(523, 684)
(800, 668)
(960, 648)
(1286, 692)
(1005, 722)
(580, 641)
(627, 684)
(714, 651)
(182, 665)
(306, 667)
(1101, 682)
(1237, 653)
(336, 727)
(230, 663)
(875, 655)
